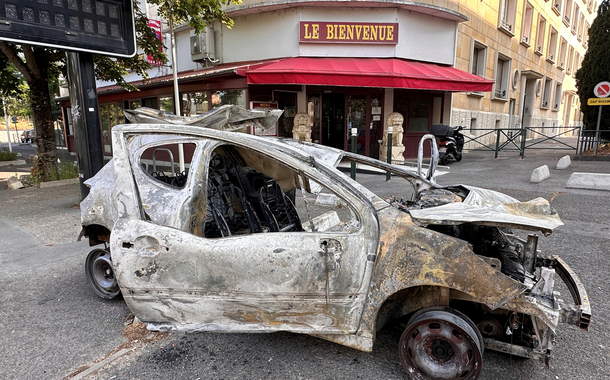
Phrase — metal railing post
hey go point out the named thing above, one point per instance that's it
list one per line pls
(354, 150)
(497, 143)
(523, 136)
(388, 175)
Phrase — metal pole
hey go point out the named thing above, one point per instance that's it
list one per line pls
(8, 134)
(523, 135)
(388, 175)
(85, 117)
(354, 150)
(176, 91)
(599, 119)
(497, 143)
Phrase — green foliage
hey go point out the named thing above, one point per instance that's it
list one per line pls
(197, 13)
(114, 69)
(65, 170)
(595, 68)
(10, 78)
(6, 155)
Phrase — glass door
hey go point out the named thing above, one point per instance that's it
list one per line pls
(357, 117)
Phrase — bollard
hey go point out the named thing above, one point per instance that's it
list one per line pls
(497, 143)
(354, 150)
(388, 175)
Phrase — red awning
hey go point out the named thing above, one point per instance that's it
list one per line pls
(366, 72)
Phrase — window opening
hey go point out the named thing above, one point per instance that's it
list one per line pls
(160, 162)
(528, 18)
(248, 192)
(546, 95)
(552, 48)
(540, 36)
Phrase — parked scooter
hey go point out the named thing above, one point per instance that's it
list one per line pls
(451, 142)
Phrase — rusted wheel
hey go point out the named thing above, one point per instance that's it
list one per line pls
(99, 271)
(441, 344)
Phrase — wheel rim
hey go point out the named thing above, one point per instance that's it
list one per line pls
(441, 345)
(100, 273)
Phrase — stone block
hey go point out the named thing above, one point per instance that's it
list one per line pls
(564, 163)
(592, 181)
(13, 183)
(540, 174)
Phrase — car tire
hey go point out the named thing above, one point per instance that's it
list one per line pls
(441, 343)
(100, 273)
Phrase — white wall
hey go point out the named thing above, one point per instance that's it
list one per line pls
(275, 34)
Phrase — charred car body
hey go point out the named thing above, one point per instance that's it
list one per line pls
(264, 234)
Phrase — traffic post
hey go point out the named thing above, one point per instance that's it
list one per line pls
(601, 91)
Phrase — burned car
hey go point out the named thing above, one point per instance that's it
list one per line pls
(209, 230)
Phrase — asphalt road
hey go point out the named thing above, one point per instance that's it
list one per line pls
(52, 325)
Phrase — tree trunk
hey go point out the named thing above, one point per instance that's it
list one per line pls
(45, 131)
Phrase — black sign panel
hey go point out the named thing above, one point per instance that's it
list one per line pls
(94, 26)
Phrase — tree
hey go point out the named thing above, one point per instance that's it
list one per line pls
(595, 68)
(40, 66)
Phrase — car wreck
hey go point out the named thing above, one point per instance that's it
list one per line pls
(243, 233)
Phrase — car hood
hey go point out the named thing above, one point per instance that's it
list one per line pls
(488, 207)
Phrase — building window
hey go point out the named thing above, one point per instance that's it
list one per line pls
(111, 114)
(235, 97)
(501, 75)
(557, 97)
(562, 53)
(581, 25)
(166, 103)
(551, 49)
(576, 63)
(194, 103)
(508, 10)
(567, 12)
(586, 35)
(570, 59)
(557, 7)
(540, 34)
(575, 19)
(478, 58)
(546, 94)
(526, 30)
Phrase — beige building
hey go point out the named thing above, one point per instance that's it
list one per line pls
(532, 49)
(482, 64)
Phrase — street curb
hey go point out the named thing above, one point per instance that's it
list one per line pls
(591, 158)
(11, 163)
(62, 182)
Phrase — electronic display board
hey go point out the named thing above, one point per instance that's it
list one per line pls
(94, 26)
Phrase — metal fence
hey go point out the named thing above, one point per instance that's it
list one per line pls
(520, 139)
(590, 139)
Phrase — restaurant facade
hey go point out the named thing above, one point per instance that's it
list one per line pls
(345, 64)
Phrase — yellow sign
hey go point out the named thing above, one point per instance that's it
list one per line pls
(598, 102)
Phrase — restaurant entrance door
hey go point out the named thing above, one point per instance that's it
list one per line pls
(334, 114)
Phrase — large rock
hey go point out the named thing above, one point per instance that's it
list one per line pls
(564, 163)
(540, 174)
(13, 183)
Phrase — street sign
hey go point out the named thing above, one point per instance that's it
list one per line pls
(602, 90)
(92, 26)
(598, 102)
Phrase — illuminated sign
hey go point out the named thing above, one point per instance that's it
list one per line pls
(94, 26)
(348, 32)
